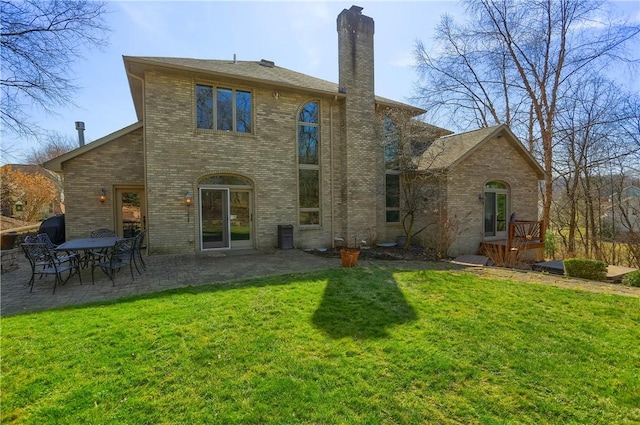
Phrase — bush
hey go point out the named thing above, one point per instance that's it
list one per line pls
(632, 279)
(585, 269)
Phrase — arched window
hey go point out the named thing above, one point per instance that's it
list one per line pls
(309, 164)
(496, 209)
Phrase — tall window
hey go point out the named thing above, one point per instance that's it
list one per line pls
(496, 209)
(231, 110)
(392, 171)
(308, 165)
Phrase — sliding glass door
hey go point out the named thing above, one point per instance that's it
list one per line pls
(225, 218)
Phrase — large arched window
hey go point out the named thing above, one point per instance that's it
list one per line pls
(496, 209)
(309, 164)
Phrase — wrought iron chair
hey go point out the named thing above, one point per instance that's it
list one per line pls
(44, 261)
(94, 255)
(115, 258)
(137, 254)
(102, 233)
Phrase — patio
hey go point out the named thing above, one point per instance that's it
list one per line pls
(163, 272)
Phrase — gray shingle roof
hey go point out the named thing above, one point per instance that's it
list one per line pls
(446, 152)
(254, 71)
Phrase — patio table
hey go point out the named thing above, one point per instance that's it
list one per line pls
(87, 244)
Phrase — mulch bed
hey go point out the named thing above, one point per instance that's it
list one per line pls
(416, 253)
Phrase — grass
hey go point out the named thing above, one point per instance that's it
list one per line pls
(361, 346)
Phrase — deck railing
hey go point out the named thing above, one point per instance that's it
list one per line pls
(526, 235)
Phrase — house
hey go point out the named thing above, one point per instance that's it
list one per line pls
(14, 205)
(622, 211)
(226, 153)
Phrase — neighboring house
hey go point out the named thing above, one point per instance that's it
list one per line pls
(622, 212)
(225, 152)
(13, 206)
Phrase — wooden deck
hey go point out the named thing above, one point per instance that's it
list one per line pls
(522, 236)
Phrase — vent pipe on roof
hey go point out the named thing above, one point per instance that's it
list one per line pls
(234, 58)
(267, 63)
(80, 128)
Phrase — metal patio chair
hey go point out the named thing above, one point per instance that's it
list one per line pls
(44, 261)
(115, 258)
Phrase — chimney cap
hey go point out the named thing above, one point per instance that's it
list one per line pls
(79, 125)
(356, 9)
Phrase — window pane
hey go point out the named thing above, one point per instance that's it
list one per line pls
(391, 144)
(224, 107)
(495, 185)
(501, 216)
(243, 111)
(309, 217)
(307, 144)
(393, 191)
(309, 113)
(393, 216)
(309, 188)
(489, 214)
(204, 107)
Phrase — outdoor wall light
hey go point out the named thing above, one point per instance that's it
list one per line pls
(103, 196)
(188, 198)
(481, 197)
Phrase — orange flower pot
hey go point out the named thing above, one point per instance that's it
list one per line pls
(349, 257)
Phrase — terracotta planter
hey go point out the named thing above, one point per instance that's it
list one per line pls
(349, 257)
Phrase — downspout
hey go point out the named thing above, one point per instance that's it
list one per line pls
(145, 218)
(331, 166)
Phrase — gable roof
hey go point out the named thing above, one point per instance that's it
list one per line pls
(262, 72)
(55, 164)
(447, 152)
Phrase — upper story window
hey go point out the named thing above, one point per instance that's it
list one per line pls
(224, 109)
(392, 170)
(308, 165)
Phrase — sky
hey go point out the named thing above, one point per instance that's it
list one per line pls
(300, 36)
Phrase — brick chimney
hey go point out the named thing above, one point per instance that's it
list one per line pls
(362, 164)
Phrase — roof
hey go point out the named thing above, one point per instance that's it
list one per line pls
(631, 192)
(55, 164)
(451, 150)
(263, 72)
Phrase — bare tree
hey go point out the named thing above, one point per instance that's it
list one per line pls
(412, 184)
(56, 144)
(39, 42)
(591, 138)
(512, 62)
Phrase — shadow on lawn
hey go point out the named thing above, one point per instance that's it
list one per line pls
(357, 305)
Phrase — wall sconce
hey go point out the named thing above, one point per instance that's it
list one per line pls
(103, 196)
(188, 199)
(276, 95)
(481, 197)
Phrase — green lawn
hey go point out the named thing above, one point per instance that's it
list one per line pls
(345, 346)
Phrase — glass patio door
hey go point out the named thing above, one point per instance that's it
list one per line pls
(225, 218)
(214, 218)
(495, 214)
(131, 216)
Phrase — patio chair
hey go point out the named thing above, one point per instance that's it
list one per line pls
(91, 256)
(137, 254)
(44, 261)
(102, 233)
(115, 258)
(45, 239)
